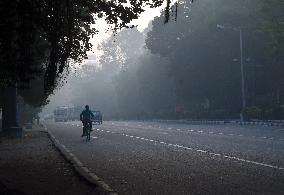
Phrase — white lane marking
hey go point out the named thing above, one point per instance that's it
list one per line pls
(220, 133)
(240, 135)
(178, 129)
(191, 130)
(256, 163)
(94, 137)
(231, 134)
(169, 128)
(200, 131)
(137, 137)
(211, 132)
(212, 153)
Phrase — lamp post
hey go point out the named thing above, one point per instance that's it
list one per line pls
(242, 66)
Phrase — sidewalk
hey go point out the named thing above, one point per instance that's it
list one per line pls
(32, 165)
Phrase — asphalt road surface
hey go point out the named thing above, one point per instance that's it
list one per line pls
(169, 158)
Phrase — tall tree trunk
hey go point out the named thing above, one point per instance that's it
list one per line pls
(10, 124)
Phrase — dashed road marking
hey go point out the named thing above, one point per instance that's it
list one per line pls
(199, 131)
(207, 152)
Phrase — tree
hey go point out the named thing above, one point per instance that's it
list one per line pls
(44, 37)
(62, 28)
(201, 56)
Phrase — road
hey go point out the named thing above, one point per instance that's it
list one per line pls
(170, 158)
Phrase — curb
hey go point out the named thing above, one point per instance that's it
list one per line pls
(262, 123)
(80, 168)
(222, 122)
(195, 122)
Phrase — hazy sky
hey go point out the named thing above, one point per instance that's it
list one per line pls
(61, 96)
(142, 23)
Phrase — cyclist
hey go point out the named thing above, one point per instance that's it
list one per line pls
(85, 117)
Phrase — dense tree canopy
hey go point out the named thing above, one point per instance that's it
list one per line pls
(41, 39)
(194, 67)
(205, 60)
(45, 36)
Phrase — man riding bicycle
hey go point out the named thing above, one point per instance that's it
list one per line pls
(85, 117)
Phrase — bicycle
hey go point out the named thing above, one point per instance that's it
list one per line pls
(87, 131)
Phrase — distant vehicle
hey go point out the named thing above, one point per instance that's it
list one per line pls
(61, 114)
(29, 125)
(67, 113)
(48, 117)
(98, 117)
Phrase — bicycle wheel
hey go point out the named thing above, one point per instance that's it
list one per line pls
(88, 133)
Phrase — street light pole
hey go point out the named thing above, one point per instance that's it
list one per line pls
(242, 75)
(242, 67)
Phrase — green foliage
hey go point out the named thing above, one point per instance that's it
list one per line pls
(253, 112)
(44, 36)
(272, 23)
(201, 55)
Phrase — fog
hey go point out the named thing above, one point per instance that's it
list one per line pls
(190, 67)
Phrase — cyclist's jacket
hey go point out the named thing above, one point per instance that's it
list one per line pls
(86, 115)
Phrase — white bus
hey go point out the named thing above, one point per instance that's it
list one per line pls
(65, 113)
(61, 114)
